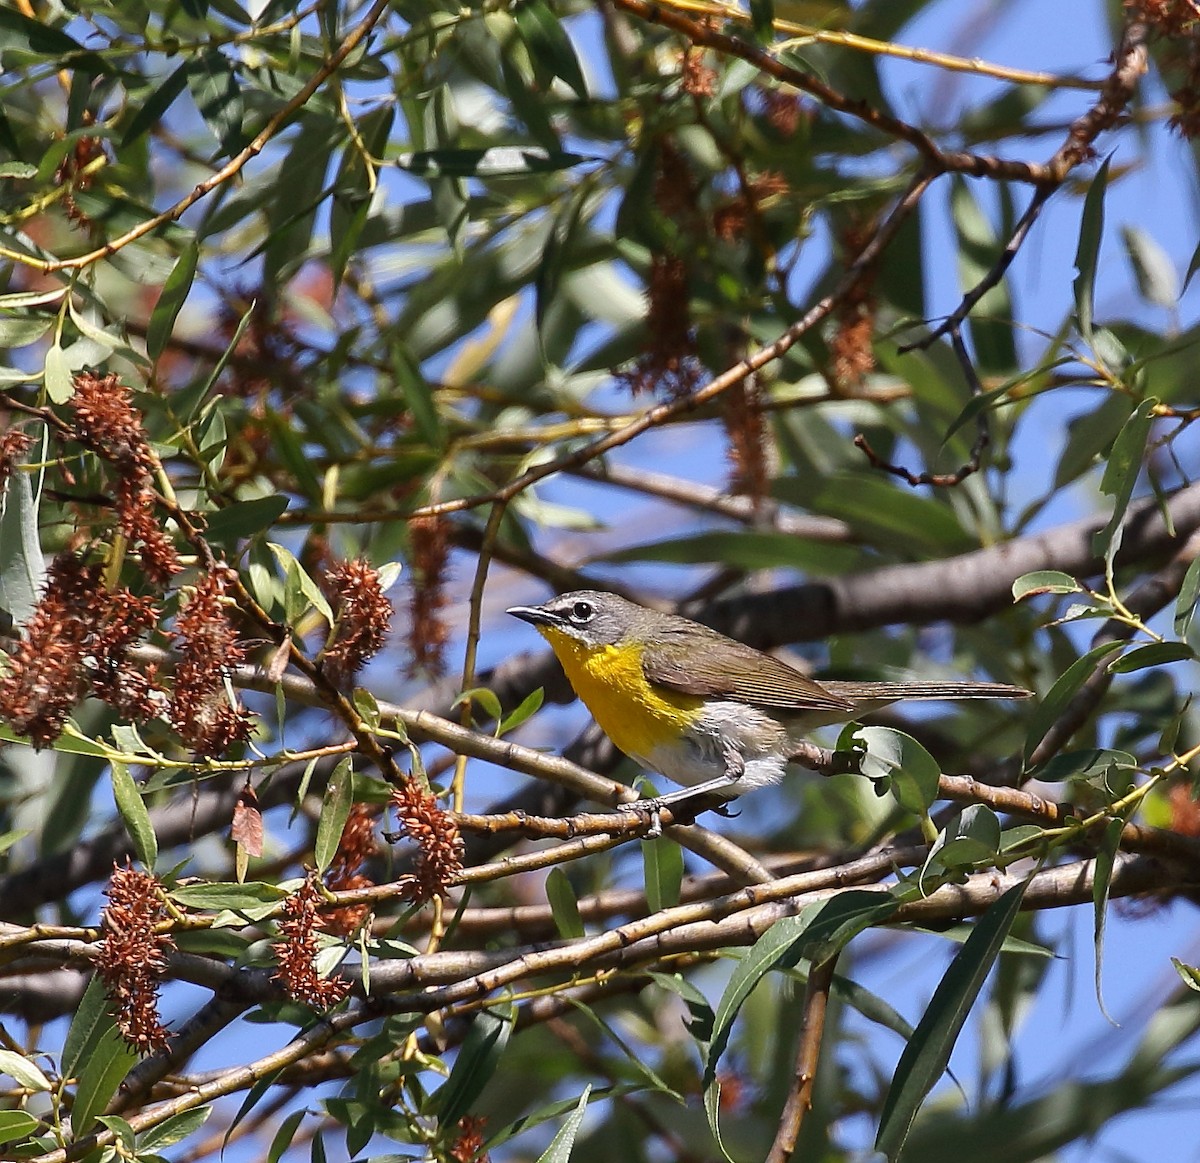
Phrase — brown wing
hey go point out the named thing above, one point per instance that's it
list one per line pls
(713, 666)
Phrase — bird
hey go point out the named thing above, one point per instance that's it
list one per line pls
(708, 712)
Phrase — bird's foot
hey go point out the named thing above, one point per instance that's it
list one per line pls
(649, 810)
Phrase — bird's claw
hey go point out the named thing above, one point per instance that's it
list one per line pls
(650, 809)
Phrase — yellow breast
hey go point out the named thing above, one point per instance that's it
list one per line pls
(637, 717)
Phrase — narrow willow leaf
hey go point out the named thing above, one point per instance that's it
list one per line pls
(23, 1071)
(1048, 711)
(134, 814)
(174, 1129)
(563, 1143)
(1152, 654)
(16, 1125)
(147, 113)
(1188, 974)
(1185, 603)
(476, 1063)
(60, 385)
(662, 865)
(564, 907)
(927, 1053)
(245, 518)
(101, 1070)
(1152, 268)
(22, 564)
(550, 49)
(1081, 764)
(174, 295)
(1106, 856)
(818, 931)
(284, 1136)
(1044, 581)
(1121, 473)
(227, 895)
(1087, 253)
(335, 811)
(528, 707)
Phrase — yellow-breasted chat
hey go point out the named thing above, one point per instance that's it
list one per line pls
(706, 711)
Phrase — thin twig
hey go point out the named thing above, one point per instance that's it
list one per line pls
(808, 1053)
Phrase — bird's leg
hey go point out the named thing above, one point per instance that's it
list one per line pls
(735, 768)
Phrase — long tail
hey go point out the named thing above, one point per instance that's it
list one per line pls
(886, 691)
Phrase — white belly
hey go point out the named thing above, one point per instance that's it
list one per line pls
(699, 757)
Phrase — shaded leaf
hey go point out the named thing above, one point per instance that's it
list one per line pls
(476, 1062)
(563, 1143)
(335, 811)
(133, 812)
(927, 1053)
(662, 866)
(564, 907)
(1050, 709)
(1087, 252)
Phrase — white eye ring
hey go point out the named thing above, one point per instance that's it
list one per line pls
(582, 612)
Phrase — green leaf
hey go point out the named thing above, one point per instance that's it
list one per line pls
(284, 1136)
(134, 814)
(218, 96)
(762, 19)
(970, 838)
(1091, 231)
(1120, 476)
(1044, 581)
(36, 36)
(487, 700)
(1188, 974)
(16, 1125)
(564, 907)
(1152, 268)
(550, 49)
(101, 1070)
(23, 330)
(245, 518)
(120, 1128)
(20, 171)
(1080, 764)
(335, 811)
(227, 895)
(300, 590)
(912, 773)
(174, 295)
(418, 394)
(188, 402)
(174, 1129)
(747, 549)
(23, 1071)
(817, 931)
(1185, 603)
(979, 248)
(1050, 709)
(662, 864)
(22, 563)
(148, 113)
(563, 1143)
(885, 512)
(927, 1053)
(1106, 856)
(528, 707)
(1152, 654)
(477, 1060)
(60, 384)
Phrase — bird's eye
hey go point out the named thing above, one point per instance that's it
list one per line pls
(582, 612)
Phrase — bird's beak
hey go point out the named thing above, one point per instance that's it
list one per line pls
(534, 615)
